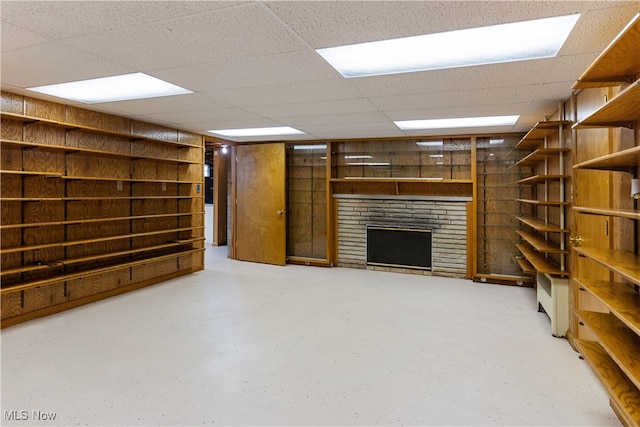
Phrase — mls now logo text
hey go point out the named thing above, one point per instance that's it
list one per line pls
(24, 415)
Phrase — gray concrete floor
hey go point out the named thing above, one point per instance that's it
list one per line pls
(252, 344)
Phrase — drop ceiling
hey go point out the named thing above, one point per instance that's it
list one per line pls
(254, 64)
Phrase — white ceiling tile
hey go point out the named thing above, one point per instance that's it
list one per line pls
(289, 67)
(207, 115)
(52, 62)
(322, 107)
(64, 19)
(478, 97)
(167, 104)
(328, 120)
(15, 36)
(598, 26)
(326, 24)
(259, 55)
(230, 33)
(329, 133)
(219, 122)
(290, 93)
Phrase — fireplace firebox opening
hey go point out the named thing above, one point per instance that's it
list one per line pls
(399, 247)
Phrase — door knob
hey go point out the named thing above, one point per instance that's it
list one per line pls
(576, 240)
(280, 212)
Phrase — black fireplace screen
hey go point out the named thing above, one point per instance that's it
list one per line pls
(399, 247)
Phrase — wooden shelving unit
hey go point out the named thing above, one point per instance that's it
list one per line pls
(403, 186)
(543, 239)
(92, 205)
(618, 63)
(613, 342)
(621, 161)
(621, 111)
(621, 213)
(623, 393)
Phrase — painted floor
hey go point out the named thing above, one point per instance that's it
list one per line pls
(251, 344)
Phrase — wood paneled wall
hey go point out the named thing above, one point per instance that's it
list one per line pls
(93, 205)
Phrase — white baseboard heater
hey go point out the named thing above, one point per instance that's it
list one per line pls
(399, 247)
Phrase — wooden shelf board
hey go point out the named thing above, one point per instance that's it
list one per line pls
(23, 269)
(539, 225)
(134, 180)
(540, 263)
(621, 390)
(542, 202)
(95, 240)
(31, 199)
(536, 179)
(621, 300)
(621, 213)
(618, 62)
(535, 137)
(90, 198)
(34, 173)
(32, 225)
(131, 136)
(69, 149)
(540, 155)
(402, 186)
(92, 220)
(526, 266)
(419, 180)
(619, 161)
(62, 278)
(540, 244)
(621, 111)
(186, 241)
(71, 261)
(622, 262)
(622, 345)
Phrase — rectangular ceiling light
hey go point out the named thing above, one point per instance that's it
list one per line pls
(430, 143)
(109, 89)
(463, 122)
(310, 147)
(270, 131)
(359, 157)
(517, 41)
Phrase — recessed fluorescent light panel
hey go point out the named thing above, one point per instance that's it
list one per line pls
(358, 157)
(310, 147)
(463, 122)
(518, 41)
(430, 143)
(109, 89)
(270, 131)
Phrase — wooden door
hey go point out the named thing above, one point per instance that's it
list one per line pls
(260, 229)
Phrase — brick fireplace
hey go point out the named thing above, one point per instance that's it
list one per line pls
(446, 217)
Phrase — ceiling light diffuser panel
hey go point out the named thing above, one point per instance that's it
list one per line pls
(268, 131)
(518, 41)
(115, 88)
(462, 122)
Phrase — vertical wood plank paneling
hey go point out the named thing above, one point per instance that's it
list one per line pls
(44, 109)
(98, 120)
(11, 129)
(11, 103)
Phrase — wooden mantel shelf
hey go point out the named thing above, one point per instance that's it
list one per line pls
(403, 186)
